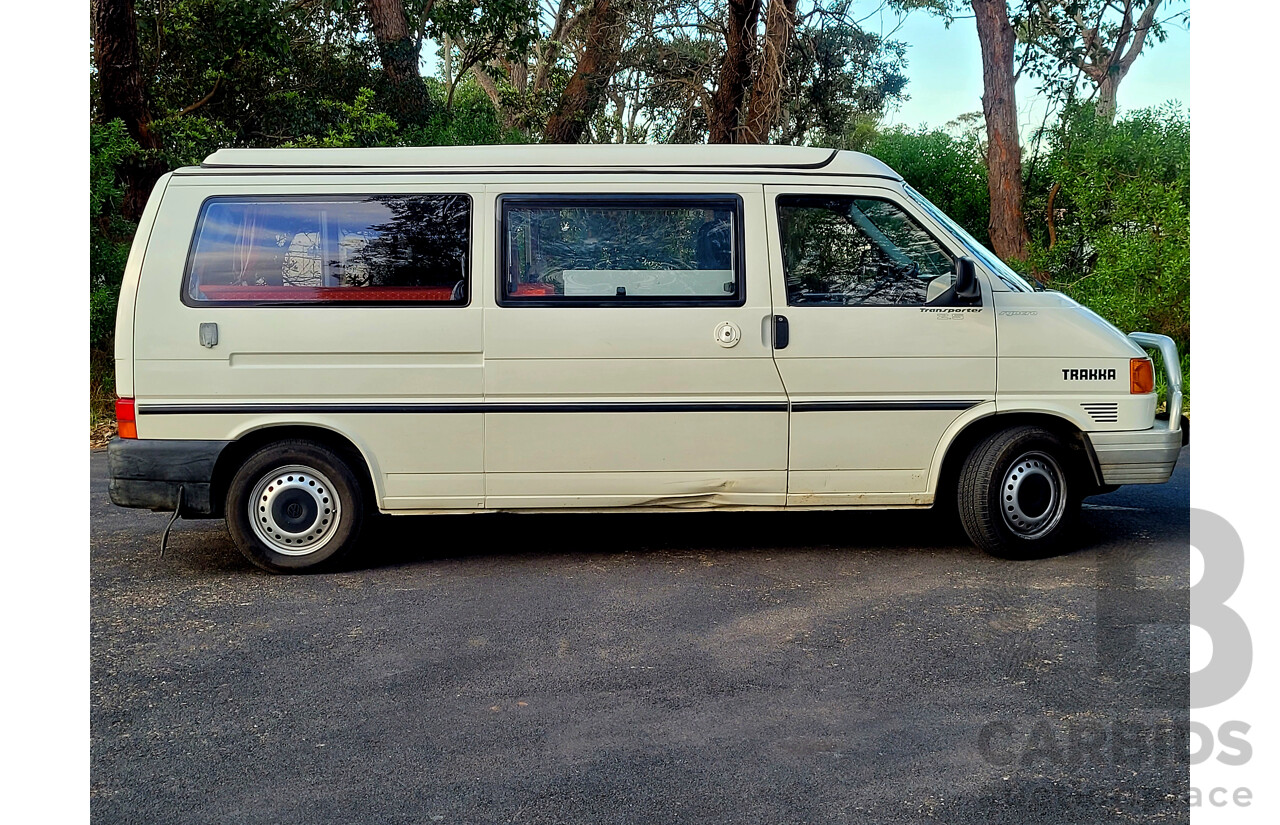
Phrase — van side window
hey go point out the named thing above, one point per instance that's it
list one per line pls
(331, 250)
(856, 252)
(633, 250)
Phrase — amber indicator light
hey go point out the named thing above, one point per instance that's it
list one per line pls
(1142, 378)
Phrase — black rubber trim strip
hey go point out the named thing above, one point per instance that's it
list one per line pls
(503, 407)
(544, 167)
(865, 406)
(491, 407)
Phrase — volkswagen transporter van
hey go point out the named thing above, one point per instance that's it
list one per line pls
(308, 336)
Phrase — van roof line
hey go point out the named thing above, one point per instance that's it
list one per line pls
(552, 156)
(631, 157)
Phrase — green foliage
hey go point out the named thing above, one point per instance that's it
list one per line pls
(355, 124)
(1121, 218)
(189, 139)
(110, 148)
(471, 121)
(1068, 45)
(249, 72)
(839, 74)
(948, 170)
(102, 388)
(485, 31)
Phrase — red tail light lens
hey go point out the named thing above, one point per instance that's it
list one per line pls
(126, 421)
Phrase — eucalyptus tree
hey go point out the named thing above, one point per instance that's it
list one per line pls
(1004, 59)
(998, 40)
(728, 72)
(1096, 41)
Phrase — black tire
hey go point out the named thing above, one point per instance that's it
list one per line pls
(1017, 496)
(308, 507)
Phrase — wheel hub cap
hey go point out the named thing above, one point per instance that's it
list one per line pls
(294, 510)
(1032, 495)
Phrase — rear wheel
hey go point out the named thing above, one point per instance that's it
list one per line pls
(293, 506)
(1016, 496)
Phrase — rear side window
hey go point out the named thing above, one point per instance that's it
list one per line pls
(331, 250)
(621, 250)
(856, 252)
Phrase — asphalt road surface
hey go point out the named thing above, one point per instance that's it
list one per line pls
(702, 668)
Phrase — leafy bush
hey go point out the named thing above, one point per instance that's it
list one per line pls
(950, 171)
(471, 121)
(189, 139)
(355, 124)
(110, 147)
(1121, 209)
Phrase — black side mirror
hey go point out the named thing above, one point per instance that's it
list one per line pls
(966, 284)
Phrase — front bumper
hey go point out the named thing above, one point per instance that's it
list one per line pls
(1146, 456)
(149, 473)
(1137, 456)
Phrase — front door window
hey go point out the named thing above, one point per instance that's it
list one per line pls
(854, 251)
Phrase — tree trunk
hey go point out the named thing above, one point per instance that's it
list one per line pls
(121, 95)
(398, 53)
(545, 54)
(767, 91)
(735, 72)
(585, 92)
(1106, 102)
(1110, 53)
(999, 105)
(1120, 64)
(446, 53)
(505, 115)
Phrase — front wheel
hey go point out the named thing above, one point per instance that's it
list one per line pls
(1016, 497)
(294, 505)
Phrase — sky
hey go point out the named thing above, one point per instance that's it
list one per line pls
(944, 73)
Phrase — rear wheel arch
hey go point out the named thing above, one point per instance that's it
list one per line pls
(238, 451)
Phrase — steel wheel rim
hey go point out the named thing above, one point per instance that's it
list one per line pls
(1033, 495)
(294, 510)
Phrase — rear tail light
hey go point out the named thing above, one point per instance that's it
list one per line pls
(1142, 378)
(125, 418)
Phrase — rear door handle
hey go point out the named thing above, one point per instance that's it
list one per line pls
(781, 332)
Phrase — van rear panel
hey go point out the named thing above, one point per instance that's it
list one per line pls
(124, 349)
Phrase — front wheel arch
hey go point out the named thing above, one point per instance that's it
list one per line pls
(1083, 463)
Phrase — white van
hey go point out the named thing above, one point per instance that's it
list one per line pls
(308, 335)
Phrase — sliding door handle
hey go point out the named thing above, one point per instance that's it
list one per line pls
(781, 332)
